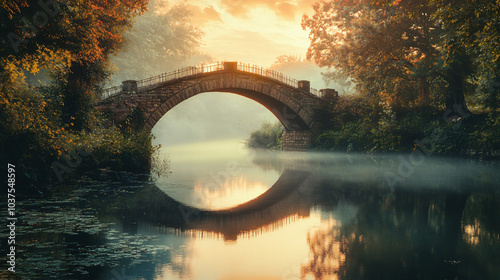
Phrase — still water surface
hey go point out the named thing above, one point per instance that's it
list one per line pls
(228, 213)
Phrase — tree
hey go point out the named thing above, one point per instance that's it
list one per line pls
(296, 66)
(389, 48)
(473, 29)
(80, 36)
(161, 40)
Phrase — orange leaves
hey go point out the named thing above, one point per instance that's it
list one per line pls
(88, 30)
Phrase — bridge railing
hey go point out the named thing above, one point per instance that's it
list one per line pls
(111, 92)
(206, 68)
(180, 73)
(254, 69)
(169, 76)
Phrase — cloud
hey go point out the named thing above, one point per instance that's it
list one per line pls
(284, 9)
(251, 46)
(211, 13)
(201, 16)
(305, 6)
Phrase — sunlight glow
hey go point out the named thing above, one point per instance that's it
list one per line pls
(258, 32)
(234, 191)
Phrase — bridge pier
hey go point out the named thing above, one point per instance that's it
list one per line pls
(296, 140)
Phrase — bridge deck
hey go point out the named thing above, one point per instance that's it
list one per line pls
(147, 83)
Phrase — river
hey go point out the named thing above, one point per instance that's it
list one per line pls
(232, 213)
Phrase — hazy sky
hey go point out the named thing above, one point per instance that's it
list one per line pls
(250, 31)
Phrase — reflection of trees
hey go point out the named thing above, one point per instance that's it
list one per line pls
(481, 233)
(327, 254)
(410, 235)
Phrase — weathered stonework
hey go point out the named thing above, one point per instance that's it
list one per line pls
(298, 140)
(294, 107)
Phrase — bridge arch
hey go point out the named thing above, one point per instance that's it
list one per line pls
(289, 112)
(291, 101)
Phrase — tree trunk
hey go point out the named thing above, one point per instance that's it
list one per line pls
(78, 98)
(424, 92)
(455, 101)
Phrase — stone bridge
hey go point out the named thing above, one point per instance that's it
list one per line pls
(292, 102)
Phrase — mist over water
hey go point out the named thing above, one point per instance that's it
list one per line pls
(228, 212)
(215, 175)
(211, 168)
(345, 208)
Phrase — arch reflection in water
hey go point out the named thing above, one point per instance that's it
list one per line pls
(281, 201)
(209, 177)
(231, 192)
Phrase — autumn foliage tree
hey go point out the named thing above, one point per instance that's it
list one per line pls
(72, 40)
(78, 35)
(401, 51)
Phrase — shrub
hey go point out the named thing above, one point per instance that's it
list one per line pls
(268, 137)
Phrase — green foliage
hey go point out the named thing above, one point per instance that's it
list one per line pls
(268, 137)
(57, 122)
(355, 126)
(74, 41)
(32, 137)
(412, 53)
(118, 151)
(473, 28)
(410, 61)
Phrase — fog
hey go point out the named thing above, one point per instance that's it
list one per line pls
(222, 174)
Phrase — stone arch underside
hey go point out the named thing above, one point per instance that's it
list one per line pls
(288, 104)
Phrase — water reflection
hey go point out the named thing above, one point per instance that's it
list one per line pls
(215, 175)
(277, 205)
(325, 216)
(232, 192)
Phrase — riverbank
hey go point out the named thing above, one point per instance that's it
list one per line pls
(46, 150)
(351, 123)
